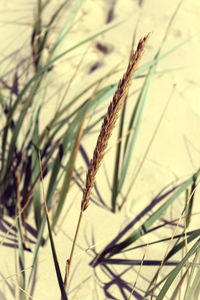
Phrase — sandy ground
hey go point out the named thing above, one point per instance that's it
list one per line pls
(174, 154)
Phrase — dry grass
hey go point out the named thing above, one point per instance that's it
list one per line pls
(111, 118)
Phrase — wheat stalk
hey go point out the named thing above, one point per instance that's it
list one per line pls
(105, 133)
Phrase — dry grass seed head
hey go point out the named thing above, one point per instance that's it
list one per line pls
(110, 119)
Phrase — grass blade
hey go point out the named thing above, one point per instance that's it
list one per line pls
(68, 173)
(17, 128)
(142, 101)
(56, 264)
(67, 26)
(190, 201)
(22, 282)
(191, 288)
(138, 262)
(176, 248)
(146, 225)
(176, 271)
(117, 162)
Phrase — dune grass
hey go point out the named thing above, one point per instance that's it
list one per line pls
(49, 155)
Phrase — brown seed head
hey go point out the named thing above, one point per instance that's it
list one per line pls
(110, 120)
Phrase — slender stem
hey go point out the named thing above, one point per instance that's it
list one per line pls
(72, 250)
(109, 122)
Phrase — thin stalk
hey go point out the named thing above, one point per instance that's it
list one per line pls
(109, 122)
(68, 264)
(119, 144)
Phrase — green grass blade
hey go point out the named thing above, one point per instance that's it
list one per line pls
(193, 235)
(190, 289)
(178, 287)
(138, 262)
(37, 76)
(36, 36)
(60, 113)
(68, 174)
(35, 167)
(194, 289)
(37, 205)
(41, 229)
(142, 101)
(100, 97)
(69, 136)
(56, 264)
(116, 182)
(4, 141)
(22, 282)
(67, 26)
(4, 134)
(133, 116)
(36, 108)
(190, 235)
(190, 202)
(51, 62)
(163, 208)
(37, 246)
(176, 271)
(59, 39)
(53, 249)
(63, 148)
(17, 129)
(117, 160)
(50, 24)
(142, 230)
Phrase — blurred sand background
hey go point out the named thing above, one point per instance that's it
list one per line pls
(174, 154)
